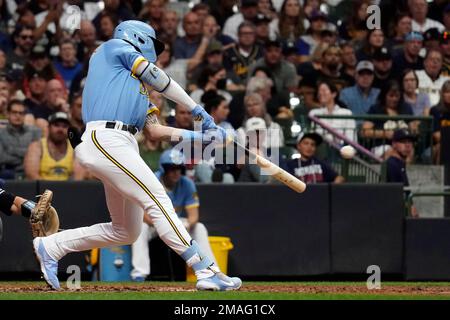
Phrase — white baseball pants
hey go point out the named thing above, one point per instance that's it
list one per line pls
(130, 187)
(140, 248)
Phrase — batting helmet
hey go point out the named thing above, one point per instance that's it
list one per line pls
(171, 158)
(141, 36)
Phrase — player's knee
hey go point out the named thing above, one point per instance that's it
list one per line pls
(127, 235)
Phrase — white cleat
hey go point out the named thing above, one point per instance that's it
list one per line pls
(219, 282)
(48, 265)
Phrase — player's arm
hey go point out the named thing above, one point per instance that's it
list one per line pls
(156, 131)
(192, 215)
(161, 82)
(32, 160)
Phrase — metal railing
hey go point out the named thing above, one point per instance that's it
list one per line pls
(445, 192)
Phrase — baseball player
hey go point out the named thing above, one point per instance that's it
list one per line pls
(183, 193)
(115, 107)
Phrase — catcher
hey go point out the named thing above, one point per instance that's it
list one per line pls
(43, 217)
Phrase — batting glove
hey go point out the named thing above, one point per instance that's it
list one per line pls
(199, 114)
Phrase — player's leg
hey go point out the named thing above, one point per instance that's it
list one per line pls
(199, 233)
(140, 258)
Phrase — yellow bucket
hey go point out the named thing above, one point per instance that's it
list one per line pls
(220, 247)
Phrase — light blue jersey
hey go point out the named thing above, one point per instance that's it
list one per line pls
(112, 92)
(183, 196)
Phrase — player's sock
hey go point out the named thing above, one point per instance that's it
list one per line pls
(201, 264)
(26, 208)
(6, 202)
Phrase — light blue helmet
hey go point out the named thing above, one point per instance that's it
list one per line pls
(141, 36)
(171, 157)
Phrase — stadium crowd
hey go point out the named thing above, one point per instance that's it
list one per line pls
(257, 66)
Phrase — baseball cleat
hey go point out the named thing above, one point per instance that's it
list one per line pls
(48, 265)
(219, 282)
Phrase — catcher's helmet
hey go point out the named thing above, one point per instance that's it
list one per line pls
(141, 36)
(171, 158)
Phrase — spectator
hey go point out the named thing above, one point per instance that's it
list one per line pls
(211, 27)
(308, 42)
(374, 41)
(420, 22)
(284, 73)
(327, 96)
(183, 194)
(218, 108)
(390, 102)
(430, 78)
(14, 141)
(75, 117)
(212, 78)
(419, 101)
(88, 40)
(383, 67)
(256, 108)
(108, 22)
(308, 167)
(403, 26)
(152, 13)
(67, 65)
(348, 58)
(441, 118)
(185, 47)
(2, 61)
(52, 158)
(238, 58)
(35, 101)
(292, 22)
(23, 42)
(445, 49)
(222, 10)
(402, 149)
(431, 39)
(39, 61)
(202, 10)
(116, 8)
(266, 8)
(248, 11)
(446, 17)
(169, 26)
(355, 27)
(55, 100)
(409, 57)
(262, 30)
(5, 94)
(183, 118)
(330, 70)
(255, 134)
(360, 97)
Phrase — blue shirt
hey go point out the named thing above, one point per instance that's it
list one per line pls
(112, 92)
(356, 101)
(183, 195)
(68, 73)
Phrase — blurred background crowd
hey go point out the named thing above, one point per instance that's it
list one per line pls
(255, 65)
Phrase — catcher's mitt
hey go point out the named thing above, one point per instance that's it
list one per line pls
(44, 219)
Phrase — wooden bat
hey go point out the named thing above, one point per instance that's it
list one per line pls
(275, 171)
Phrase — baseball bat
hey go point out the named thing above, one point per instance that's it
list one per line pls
(275, 171)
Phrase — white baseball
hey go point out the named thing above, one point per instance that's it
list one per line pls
(348, 152)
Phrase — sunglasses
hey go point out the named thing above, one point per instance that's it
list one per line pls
(26, 37)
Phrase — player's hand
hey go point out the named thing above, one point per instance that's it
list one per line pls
(199, 114)
(217, 135)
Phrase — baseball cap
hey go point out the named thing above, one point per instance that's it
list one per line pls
(383, 53)
(214, 47)
(403, 134)
(317, 14)
(255, 123)
(364, 65)
(432, 34)
(311, 135)
(289, 47)
(261, 18)
(273, 43)
(58, 116)
(249, 3)
(414, 36)
(37, 52)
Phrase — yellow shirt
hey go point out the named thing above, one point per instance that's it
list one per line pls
(50, 169)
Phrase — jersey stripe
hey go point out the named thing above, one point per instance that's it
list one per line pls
(136, 64)
(135, 179)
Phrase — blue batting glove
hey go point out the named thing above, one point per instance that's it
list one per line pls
(199, 114)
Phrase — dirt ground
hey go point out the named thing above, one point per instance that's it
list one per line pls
(407, 289)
